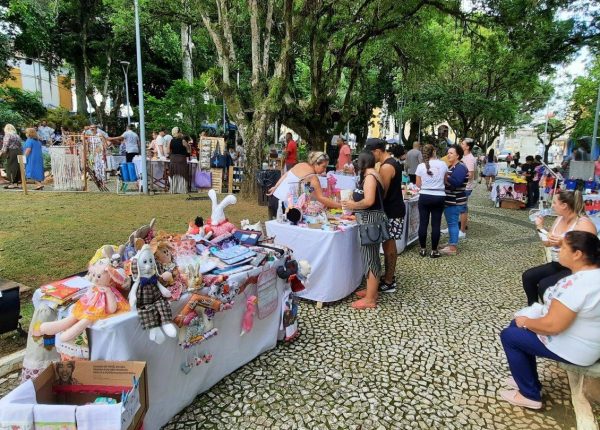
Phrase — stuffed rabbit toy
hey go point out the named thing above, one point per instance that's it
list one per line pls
(149, 296)
(102, 300)
(218, 222)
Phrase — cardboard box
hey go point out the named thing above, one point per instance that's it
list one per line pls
(79, 383)
(511, 204)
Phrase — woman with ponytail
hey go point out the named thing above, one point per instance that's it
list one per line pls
(569, 207)
(430, 179)
(565, 328)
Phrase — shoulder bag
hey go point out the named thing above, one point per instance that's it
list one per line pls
(373, 225)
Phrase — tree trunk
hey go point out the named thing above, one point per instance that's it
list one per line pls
(254, 134)
(80, 85)
(186, 49)
(414, 133)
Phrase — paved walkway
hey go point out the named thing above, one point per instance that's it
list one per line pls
(428, 358)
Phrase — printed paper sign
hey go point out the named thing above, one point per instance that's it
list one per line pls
(267, 293)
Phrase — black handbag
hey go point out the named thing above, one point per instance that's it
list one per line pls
(376, 232)
(218, 160)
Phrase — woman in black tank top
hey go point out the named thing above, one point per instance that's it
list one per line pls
(367, 201)
(393, 205)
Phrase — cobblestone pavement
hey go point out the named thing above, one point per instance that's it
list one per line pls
(428, 358)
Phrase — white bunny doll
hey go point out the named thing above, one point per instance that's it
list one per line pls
(219, 224)
(150, 298)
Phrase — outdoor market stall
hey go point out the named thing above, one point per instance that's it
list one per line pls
(334, 256)
(192, 307)
(509, 190)
(176, 375)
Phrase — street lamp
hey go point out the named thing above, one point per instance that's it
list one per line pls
(594, 148)
(138, 50)
(125, 66)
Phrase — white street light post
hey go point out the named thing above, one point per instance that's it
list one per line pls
(595, 133)
(125, 66)
(138, 49)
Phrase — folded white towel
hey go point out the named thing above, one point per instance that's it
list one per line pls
(18, 416)
(94, 417)
(47, 417)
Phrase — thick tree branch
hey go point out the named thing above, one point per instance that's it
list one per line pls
(224, 19)
(255, 41)
(218, 42)
(267, 41)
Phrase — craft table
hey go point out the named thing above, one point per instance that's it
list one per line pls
(334, 257)
(121, 338)
(114, 161)
(158, 173)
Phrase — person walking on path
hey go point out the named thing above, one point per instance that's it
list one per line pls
(413, 159)
(291, 152)
(390, 171)
(11, 149)
(456, 183)
(490, 170)
(34, 168)
(432, 197)
(131, 141)
(471, 163)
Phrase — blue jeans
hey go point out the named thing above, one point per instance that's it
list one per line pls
(521, 347)
(465, 208)
(452, 214)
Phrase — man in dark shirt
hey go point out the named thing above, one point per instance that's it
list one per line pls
(528, 170)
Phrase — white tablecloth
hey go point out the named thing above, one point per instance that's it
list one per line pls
(410, 233)
(122, 338)
(344, 182)
(334, 258)
(114, 161)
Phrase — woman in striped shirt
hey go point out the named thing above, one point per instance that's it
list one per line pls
(456, 183)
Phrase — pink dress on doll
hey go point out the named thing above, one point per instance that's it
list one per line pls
(92, 306)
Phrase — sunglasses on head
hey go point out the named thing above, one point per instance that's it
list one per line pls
(322, 157)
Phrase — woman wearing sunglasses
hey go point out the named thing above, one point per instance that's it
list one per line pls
(315, 165)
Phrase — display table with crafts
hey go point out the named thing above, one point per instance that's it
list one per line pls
(411, 224)
(334, 257)
(176, 375)
(509, 190)
(192, 307)
(158, 172)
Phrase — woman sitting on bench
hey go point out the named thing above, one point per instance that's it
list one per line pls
(565, 328)
(570, 208)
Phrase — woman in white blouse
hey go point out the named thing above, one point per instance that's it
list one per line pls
(566, 327)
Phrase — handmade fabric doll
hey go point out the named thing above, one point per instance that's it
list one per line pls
(150, 298)
(145, 233)
(218, 222)
(197, 227)
(100, 301)
(248, 319)
(170, 275)
(40, 353)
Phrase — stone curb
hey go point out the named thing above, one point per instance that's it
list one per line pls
(11, 363)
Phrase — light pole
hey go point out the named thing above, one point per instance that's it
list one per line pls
(138, 50)
(125, 66)
(595, 133)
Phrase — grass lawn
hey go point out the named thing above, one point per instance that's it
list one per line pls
(48, 236)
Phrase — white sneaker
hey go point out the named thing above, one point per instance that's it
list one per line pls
(462, 235)
(444, 231)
